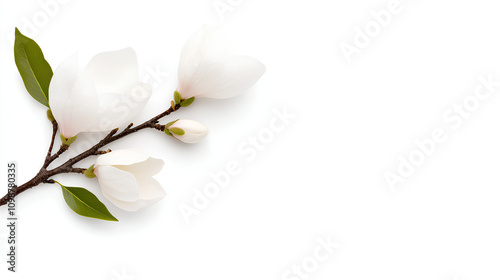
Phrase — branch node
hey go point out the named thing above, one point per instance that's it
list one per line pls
(67, 167)
(103, 152)
(159, 127)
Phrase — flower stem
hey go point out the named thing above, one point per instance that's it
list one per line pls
(49, 152)
(67, 167)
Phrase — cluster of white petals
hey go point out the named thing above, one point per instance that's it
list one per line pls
(104, 95)
(107, 94)
(125, 177)
(193, 131)
(206, 69)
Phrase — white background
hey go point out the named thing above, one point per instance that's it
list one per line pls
(321, 177)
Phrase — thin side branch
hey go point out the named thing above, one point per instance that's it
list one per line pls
(160, 127)
(63, 148)
(49, 152)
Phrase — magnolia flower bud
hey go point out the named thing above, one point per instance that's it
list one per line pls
(125, 177)
(206, 69)
(104, 95)
(50, 117)
(187, 131)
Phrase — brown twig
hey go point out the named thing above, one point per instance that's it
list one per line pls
(49, 152)
(67, 167)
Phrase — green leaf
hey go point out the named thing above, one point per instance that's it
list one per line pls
(68, 141)
(176, 130)
(89, 172)
(50, 116)
(33, 67)
(177, 97)
(187, 102)
(170, 123)
(85, 203)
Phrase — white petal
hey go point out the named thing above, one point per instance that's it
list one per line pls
(127, 206)
(104, 96)
(121, 96)
(121, 157)
(114, 71)
(194, 131)
(71, 98)
(151, 192)
(117, 183)
(205, 46)
(225, 79)
(116, 109)
(190, 126)
(149, 167)
(62, 81)
(230, 78)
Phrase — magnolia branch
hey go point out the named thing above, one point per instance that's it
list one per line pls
(49, 152)
(44, 174)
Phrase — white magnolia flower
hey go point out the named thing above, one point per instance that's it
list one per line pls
(104, 95)
(206, 69)
(125, 177)
(187, 131)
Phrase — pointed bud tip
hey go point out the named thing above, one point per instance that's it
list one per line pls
(177, 97)
(50, 116)
(177, 131)
(67, 141)
(187, 102)
(89, 173)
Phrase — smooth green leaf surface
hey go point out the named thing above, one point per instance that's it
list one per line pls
(177, 97)
(176, 130)
(89, 173)
(50, 116)
(86, 203)
(187, 102)
(68, 141)
(34, 69)
(170, 123)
